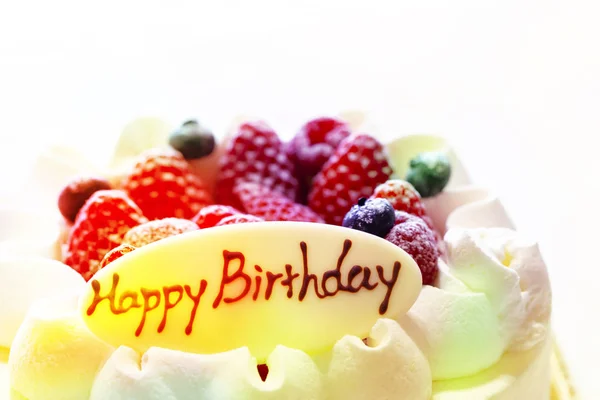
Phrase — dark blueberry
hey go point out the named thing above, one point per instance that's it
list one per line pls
(375, 216)
(192, 140)
(429, 173)
(74, 195)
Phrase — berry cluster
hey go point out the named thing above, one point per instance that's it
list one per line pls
(325, 174)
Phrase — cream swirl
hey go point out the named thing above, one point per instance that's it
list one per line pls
(26, 280)
(492, 297)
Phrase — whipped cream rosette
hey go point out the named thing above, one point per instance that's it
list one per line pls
(333, 313)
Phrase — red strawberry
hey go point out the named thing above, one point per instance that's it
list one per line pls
(315, 143)
(163, 186)
(116, 253)
(153, 231)
(239, 219)
(99, 227)
(412, 235)
(402, 196)
(255, 154)
(358, 165)
(209, 216)
(258, 200)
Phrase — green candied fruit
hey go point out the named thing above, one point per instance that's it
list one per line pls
(429, 173)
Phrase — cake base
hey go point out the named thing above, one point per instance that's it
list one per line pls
(561, 387)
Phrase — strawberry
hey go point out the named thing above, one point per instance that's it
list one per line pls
(163, 186)
(255, 154)
(99, 227)
(402, 196)
(115, 253)
(358, 165)
(239, 219)
(209, 216)
(153, 231)
(258, 200)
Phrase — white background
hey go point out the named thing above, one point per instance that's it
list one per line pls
(514, 84)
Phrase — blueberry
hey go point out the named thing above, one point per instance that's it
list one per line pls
(429, 173)
(375, 216)
(192, 140)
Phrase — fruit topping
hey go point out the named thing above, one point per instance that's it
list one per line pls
(429, 173)
(77, 192)
(162, 185)
(262, 202)
(358, 165)
(192, 140)
(315, 143)
(209, 216)
(402, 196)
(239, 219)
(99, 227)
(116, 253)
(255, 154)
(153, 231)
(375, 216)
(412, 235)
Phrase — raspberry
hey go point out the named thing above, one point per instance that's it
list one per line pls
(115, 253)
(358, 165)
(239, 219)
(153, 231)
(259, 201)
(255, 154)
(99, 227)
(76, 193)
(163, 186)
(412, 235)
(209, 216)
(315, 143)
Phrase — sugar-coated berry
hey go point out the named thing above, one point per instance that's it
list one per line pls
(354, 170)
(429, 173)
(77, 192)
(255, 153)
(115, 254)
(239, 219)
(162, 185)
(402, 195)
(211, 215)
(375, 216)
(192, 140)
(412, 235)
(156, 230)
(315, 143)
(260, 201)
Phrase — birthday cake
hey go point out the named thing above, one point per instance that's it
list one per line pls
(331, 266)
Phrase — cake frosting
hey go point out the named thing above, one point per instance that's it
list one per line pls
(482, 331)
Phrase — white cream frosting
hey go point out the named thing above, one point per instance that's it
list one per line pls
(492, 297)
(511, 272)
(26, 279)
